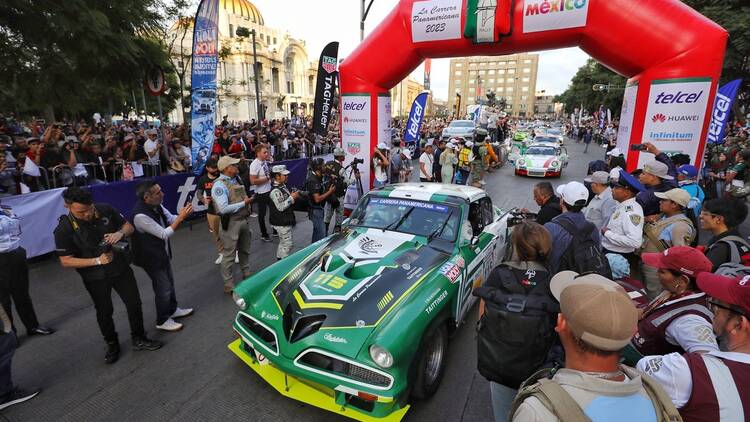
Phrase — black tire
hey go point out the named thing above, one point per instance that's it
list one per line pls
(430, 362)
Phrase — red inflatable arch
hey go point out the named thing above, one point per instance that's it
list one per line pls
(672, 54)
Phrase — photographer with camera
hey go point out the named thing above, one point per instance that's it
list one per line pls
(154, 225)
(335, 175)
(318, 197)
(380, 165)
(281, 210)
(90, 239)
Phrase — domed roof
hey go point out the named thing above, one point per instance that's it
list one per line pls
(242, 8)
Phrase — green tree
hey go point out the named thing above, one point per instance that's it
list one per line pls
(580, 92)
(78, 56)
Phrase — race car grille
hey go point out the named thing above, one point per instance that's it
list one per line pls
(259, 331)
(298, 327)
(346, 369)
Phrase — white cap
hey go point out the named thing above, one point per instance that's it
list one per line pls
(615, 152)
(382, 145)
(469, 144)
(406, 152)
(573, 192)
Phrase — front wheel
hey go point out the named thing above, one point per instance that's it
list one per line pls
(430, 363)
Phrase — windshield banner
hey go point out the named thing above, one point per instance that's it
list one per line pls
(722, 109)
(203, 81)
(408, 203)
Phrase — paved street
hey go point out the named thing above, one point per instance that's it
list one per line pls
(194, 377)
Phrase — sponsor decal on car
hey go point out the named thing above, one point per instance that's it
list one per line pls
(436, 302)
(451, 271)
(335, 339)
(368, 245)
(270, 317)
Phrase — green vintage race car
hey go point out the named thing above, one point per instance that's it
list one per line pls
(358, 323)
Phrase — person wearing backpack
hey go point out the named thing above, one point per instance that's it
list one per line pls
(686, 179)
(517, 317)
(623, 234)
(712, 387)
(674, 228)
(722, 218)
(597, 319)
(576, 240)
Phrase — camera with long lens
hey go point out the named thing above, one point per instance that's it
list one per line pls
(516, 217)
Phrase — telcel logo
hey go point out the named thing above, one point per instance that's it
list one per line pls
(354, 106)
(678, 98)
(415, 120)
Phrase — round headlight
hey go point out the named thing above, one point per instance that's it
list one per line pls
(381, 356)
(239, 301)
(554, 163)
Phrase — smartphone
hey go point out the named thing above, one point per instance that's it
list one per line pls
(638, 147)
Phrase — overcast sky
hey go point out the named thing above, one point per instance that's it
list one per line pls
(305, 19)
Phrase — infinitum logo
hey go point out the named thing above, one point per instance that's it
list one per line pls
(658, 117)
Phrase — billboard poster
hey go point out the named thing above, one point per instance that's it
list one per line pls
(544, 15)
(674, 116)
(626, 116)
(355, 131)
(435, 20)
(203, 81)
(384, 119)
(721, 111)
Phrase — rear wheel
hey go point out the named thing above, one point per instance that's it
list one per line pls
(430, 363)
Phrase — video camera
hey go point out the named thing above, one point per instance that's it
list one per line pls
(515, 217)
(119, 247)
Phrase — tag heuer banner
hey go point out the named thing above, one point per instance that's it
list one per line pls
(722, 109)
(487, 20)
(203, 93)
(325, 88)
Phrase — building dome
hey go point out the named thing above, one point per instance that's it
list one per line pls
(243, 9)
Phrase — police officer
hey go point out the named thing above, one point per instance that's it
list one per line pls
(281, 210)
(318, 197)
(233, 205)
(335, 205)
(89, 239)
(14, 276)
(623, 234)
(658, 175)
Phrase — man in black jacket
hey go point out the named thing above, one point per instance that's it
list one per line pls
(89, 239)
(154, 225)
(549, 203)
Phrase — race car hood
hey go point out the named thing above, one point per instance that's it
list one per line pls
(540, 161)
(353, 281)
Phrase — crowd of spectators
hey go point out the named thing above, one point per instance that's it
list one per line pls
(37, 155)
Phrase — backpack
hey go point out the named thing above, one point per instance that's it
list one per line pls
(739, 249)
(732, 269)
(516, 331)
(558, 401)
(583, 254)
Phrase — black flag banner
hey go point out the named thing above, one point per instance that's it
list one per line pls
(325, 88)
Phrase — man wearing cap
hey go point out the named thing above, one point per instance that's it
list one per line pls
(203, 192)
(232, 204)
(380, 165)
(602, 205)
(341, 181)
(686, 179)
(281, 211)
(152, 148)
(657, 176)
(573, 197)
(712, 386)
(401, 165)
(426, 163)
(623, 234)
(597, 319)
(673, 228)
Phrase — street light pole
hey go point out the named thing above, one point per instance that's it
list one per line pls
(255, 76)
(363, 12)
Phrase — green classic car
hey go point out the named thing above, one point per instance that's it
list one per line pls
(358, 323)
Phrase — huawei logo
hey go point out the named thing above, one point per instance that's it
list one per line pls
(658, 117)
(346, 119)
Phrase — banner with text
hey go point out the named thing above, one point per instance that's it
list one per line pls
(674, 116)
(325, 88)
(544, 15)
(626, 117)
(203, 81)
(355, 131)
(721, 111)
(414, 123)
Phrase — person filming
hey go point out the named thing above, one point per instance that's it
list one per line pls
(90, 239)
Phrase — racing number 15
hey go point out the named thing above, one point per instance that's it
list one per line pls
(438, 27)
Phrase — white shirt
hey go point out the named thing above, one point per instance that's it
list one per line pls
(625, 232)
(148, 147)
(259, 168)
(673, 373)
(427, 160)
(146, 224)
(380, 173)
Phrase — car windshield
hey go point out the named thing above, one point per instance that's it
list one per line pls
(408, 216)
(553, 132)
(540, 151)
(545, 139)
(461, 124)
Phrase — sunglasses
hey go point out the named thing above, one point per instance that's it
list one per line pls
(713, 304)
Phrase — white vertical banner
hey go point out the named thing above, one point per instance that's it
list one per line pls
(355, 131)
(626, 117)
(675, 114)
(384, 119)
